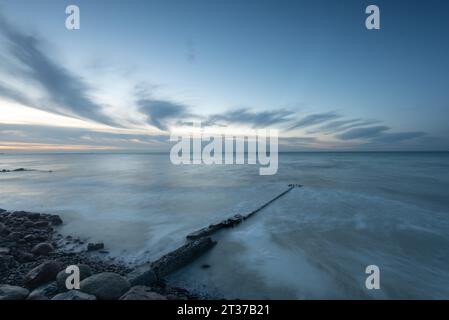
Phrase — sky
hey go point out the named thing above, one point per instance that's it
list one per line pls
(137, 70)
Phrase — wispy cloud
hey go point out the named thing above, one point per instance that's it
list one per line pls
(342, 125)
(161, 112)
(363, 133)
(67, 93)
(380, 134)
(247, 117)
(314, 119)
(399, 136)
(15, 95)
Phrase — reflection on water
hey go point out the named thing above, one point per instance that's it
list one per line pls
(355, 209)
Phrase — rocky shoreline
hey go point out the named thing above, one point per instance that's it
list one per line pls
(21, 170)
(34, 256)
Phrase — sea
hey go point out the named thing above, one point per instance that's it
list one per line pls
(354, 210)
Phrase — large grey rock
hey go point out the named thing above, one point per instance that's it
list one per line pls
(74, 295)
(4, 230)
(142, 293)
(85, 272)
(42, 249)
(8, 292)
(4, 250)
(47, 290)
(41, 224)
(143, 276)
(37, 297)
(105, 286)
(7, 261)
(43, 273)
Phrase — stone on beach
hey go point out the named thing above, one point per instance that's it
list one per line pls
(3, 229)
(4, 250)
(43, 273)
(8, 292)
(41, 224)
(46, 290)
(105, 286)
(74, 295)
(143, 275)
(142, 293)
(42, 249)
(28, 224)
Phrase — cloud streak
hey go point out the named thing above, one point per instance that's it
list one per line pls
(247, 117)
(68, 94)
(342, 125)
(363, 133)
(379, 134)
(161, 112)
(314, 119)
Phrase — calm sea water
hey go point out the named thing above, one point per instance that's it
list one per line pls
(355, 209)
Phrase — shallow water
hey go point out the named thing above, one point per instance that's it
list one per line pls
(355, 209)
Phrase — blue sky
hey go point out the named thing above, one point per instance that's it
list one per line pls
(137, 69)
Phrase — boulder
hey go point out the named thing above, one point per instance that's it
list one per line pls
(19, 214)
(29, 238)
(105, 286)
(28, 224)
(142, 293)
(47, 290)
(143, 276)
(74, 295)
(2, 228)
(4, 250)
(43, 273)
(14, 236)
(85, 272)
(8, 292)
(33, 215)
(42, 249)
(7, 261)
(41, 224)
